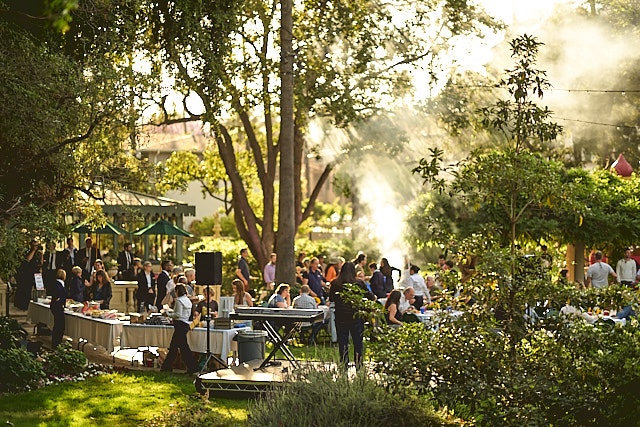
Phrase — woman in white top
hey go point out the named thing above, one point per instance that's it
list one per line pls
(181, 314)
(240, 297)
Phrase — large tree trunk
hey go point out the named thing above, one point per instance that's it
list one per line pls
(245, 218)
(285, 271)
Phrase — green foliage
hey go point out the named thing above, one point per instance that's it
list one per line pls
(230, 253)
(565, 372)
(64, 360)
(11, 333)
(370, 311)
(205, 227)
(19, 370)
(326, 397)
(346, 248)
(64, 133)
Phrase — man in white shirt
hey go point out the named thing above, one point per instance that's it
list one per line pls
(419, 285)
(626, 269)
(598, 273)
(306, 301)
(406, 300)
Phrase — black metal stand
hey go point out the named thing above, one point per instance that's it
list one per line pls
(280, 343)
(209, 354)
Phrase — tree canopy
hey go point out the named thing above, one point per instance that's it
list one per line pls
(348, 58)
(65, 119)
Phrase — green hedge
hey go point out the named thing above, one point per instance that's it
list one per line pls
(19, 370)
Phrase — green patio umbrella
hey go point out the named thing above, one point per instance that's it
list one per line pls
(162, 227)
(109, 228)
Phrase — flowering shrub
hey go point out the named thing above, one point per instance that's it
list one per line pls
(64, 360)
(19, 370)
(89, 370)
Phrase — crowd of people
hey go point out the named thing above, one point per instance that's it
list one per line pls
(79, 274)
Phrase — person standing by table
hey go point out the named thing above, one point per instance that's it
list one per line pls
(418, 283)
(181, 314)
(161, 281)
(146, 286)
(345, 318)
(58, 301)
(101, 290)
(76, 285)
(598, 273)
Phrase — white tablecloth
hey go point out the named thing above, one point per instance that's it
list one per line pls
(222, 343)
(102, 332)
(430, 314)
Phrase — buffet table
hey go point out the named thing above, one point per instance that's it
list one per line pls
(137, 335)
(102, 332)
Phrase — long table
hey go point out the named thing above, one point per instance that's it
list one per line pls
(137, 335)
(102, 332)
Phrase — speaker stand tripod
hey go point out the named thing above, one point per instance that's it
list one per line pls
(210, 355)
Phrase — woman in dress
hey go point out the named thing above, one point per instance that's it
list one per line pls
(393, 315)
(181, 315)
(240, 297)
(345, 319)
(102, 289)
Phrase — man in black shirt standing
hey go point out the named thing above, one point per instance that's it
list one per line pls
(243, 270)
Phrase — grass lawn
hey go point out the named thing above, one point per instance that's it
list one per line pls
(116, 399)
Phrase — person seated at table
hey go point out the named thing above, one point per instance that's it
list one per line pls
(393, 314)
(181, 322)
(58, 301)
(207, 305)
(76, 286)
(306, 301)
(131, 274)
(407, 299)
(281, 297)
(240, 297)
(101, 290)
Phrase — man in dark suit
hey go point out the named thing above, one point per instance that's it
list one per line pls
(68, 256)
(162, 280)
(125, 259)
(146, 294)
(52, 261)
(86, 257)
